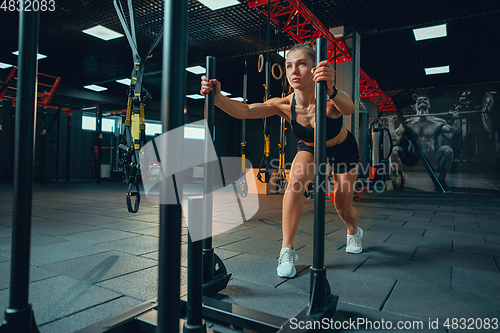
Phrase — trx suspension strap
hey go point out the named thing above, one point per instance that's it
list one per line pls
(281, 180)
(267, 137)
(135, 128)
(242, 184)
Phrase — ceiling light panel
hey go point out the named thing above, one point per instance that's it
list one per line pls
(195, 96)
(430, 32)
(196, 70)
(95, 87)
(102, 32)
(218, 4)
(437, 70)
(38, 55)
(124, 81)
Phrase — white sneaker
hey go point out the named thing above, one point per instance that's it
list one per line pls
(286, 267)
(354, 242)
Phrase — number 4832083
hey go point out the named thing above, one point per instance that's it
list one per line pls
(28, 5)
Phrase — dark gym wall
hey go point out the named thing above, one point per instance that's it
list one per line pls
(7, 139)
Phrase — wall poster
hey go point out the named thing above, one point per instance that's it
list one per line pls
(457, 130)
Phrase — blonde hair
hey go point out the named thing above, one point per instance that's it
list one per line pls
(308, 47)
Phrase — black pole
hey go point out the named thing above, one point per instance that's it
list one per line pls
(245, 96)
(268, 47)
(44, 146)
(208, 251)
(57, 142)
(194, 319)
(318, 271)
(68, 146)
(268, 91)
(19, 315)
(11, 114)
(172, 115)
(98, 144)
(363, 140)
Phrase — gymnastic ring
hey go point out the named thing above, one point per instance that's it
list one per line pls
(281, 71)
(260, 63)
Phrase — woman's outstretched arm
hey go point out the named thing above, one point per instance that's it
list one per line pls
(237, 109)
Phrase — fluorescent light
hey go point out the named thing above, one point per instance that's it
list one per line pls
(102, 32)
(3, 65)
(223, 93)
(430, 32)
(95, 87)
(283, 53)
(218, 4)
(38, 55)
(124, 81)
(195, 96)
(239, 99)
(196, 70)
(437, 70)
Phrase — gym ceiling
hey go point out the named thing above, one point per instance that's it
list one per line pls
(389, 52)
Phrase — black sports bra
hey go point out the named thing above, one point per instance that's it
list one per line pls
(306, 134)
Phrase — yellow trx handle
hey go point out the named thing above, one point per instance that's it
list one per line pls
(129, 110)
(268, 144)
(282, 159)
(142, 123)
(135, 126)
(243, 168)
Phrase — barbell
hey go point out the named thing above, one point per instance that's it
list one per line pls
(486, 110)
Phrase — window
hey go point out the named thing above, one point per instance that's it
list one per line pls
(89, 123)
(153, 128)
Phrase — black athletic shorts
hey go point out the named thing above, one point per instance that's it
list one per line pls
(342, 157)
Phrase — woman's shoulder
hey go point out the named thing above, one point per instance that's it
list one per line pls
(280, 102)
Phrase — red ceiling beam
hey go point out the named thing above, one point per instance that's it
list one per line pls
(297, 20)
(370, 90)
(43, 96)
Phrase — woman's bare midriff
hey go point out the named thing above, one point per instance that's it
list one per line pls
(335, 141)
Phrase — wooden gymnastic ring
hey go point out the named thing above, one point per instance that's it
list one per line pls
(277, 77)
(260, 63)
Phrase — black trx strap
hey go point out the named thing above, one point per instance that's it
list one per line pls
(138, 96)
(267, 137)
(242, 183)
(281, 180)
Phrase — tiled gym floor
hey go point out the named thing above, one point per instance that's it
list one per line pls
(426, 256)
